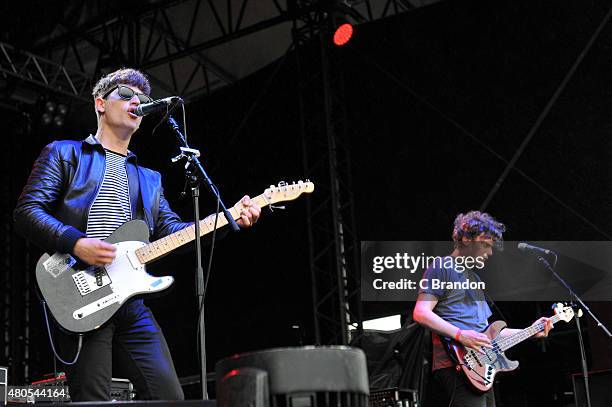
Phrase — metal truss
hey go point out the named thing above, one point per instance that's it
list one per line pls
(167, 39)
(370, 10)
(6, 320)
(171, 40)
(333, 244)
(14, 275)
(333, 249)
(41, 72)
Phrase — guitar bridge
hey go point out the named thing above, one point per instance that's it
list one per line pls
(88, 281)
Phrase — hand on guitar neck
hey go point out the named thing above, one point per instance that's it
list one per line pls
(249, 212)
(548, 325)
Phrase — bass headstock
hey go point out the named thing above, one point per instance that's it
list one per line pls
(563, 311)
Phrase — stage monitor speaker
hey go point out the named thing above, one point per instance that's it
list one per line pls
(599, 383)
(243, 387)
(297, 377)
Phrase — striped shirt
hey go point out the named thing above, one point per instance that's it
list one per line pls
(111, 208)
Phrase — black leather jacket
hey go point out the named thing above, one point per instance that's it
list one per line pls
(53, 208)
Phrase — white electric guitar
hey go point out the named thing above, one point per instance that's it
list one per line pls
(82, 300)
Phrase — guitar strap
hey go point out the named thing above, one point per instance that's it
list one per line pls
(490, 301)
(447, 344)
(494, 305)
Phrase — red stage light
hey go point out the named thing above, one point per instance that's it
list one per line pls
(343, 34)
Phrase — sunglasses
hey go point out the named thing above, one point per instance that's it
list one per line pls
(127, 93)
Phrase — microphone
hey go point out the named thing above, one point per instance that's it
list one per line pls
(526, 247)
(144, 109)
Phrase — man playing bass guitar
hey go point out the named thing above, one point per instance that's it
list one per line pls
(459, 314)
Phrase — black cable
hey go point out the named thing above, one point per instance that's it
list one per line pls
(170, 109)
(208, 272)
(80, 344)
(212, 245)
(213, 237)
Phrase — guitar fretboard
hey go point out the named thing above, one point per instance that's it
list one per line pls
(165, 245)
(516, 338)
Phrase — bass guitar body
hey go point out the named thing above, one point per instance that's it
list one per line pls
(480, 368)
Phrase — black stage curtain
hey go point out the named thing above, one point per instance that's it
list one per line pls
(399, 358)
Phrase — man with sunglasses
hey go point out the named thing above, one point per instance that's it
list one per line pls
(77, 194)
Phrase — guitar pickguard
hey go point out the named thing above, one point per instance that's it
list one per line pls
(96, 306)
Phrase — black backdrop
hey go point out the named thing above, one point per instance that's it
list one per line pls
(425, 91)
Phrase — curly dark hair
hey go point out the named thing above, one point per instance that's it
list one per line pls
(476, 223)
(123, 76)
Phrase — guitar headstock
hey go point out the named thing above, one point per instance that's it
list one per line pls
(565, 312)
(287, 192)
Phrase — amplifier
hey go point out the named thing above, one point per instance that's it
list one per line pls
(121, 389)
(3, 384)
(393, 397)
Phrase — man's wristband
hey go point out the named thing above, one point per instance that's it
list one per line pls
(458, 335)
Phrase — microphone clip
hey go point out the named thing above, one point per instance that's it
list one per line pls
(188, 153)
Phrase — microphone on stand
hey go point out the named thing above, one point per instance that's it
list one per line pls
(527, 248)
(144, 109)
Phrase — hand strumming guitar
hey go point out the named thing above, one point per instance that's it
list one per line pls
(94, 251)
(474, 340)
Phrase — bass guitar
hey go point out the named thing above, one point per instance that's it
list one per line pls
(481, 368)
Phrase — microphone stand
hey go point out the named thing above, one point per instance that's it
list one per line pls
(195, 176)
(575, 297)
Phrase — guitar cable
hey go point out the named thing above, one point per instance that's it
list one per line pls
(57, 356)
(208, 269)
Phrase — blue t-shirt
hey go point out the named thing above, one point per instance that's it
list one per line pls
(466, 309)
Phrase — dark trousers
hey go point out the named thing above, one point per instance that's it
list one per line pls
(130, 346)
(450, 384)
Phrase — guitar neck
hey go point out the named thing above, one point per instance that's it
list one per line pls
(165, 245)
(518, 337)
